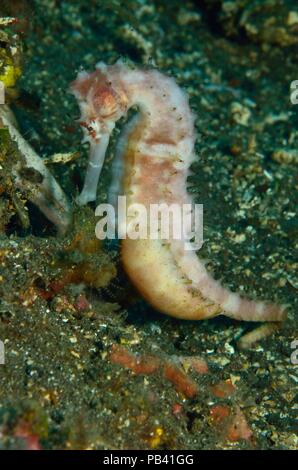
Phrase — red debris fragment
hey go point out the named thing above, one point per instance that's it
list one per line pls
(231, 425)
(219, 413)
(199, 365)
(82, 303)
(239, 429)
(138, 364)
(180, 380)
(223, 389)
(177, 409)
(54, 288)
(46, 295)
(149, 364)
(31, 440)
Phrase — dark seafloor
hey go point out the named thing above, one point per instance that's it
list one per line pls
(71, 324)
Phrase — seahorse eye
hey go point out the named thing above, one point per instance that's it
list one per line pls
(105, 102)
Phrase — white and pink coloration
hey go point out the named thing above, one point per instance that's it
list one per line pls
(156, 150)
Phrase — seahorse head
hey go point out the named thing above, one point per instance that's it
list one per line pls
(102, 100)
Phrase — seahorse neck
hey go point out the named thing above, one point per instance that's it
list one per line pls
(168, 123)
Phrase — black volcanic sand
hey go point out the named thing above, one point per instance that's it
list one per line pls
(58, 386)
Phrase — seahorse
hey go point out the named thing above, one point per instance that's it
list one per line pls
(154, 153)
